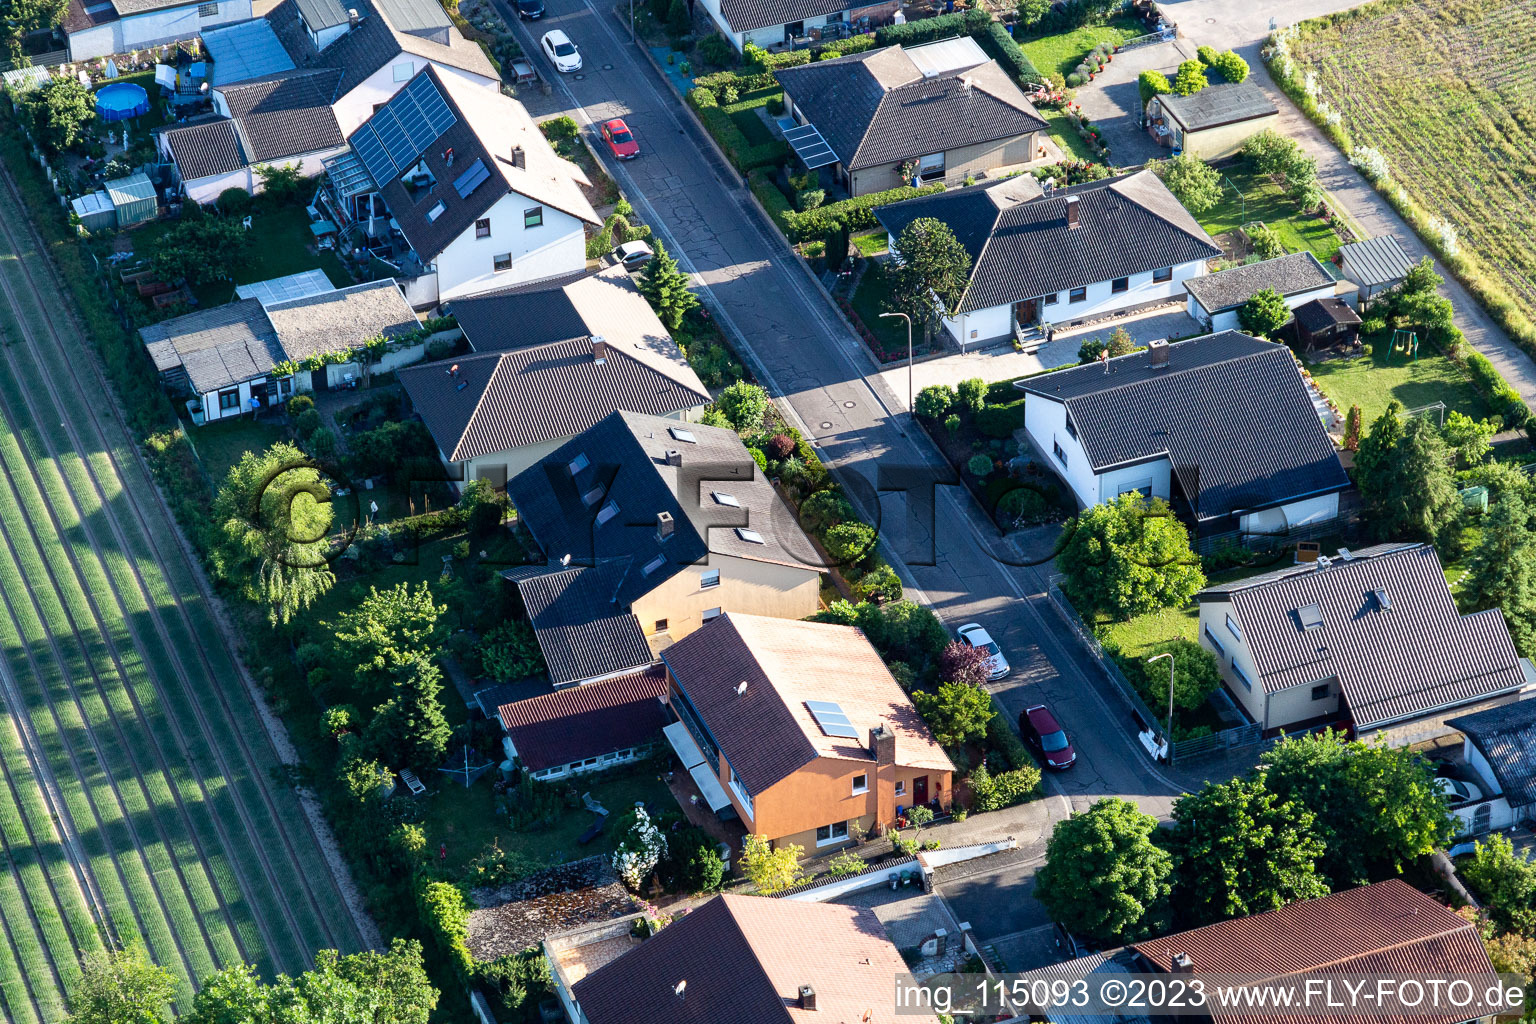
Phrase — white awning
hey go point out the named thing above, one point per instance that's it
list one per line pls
(682, 742)
(810, 147)
(709, 786)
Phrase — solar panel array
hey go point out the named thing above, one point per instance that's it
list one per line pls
(470, 180)
(831, 719)
(247, 50)
(809, 146)
(396, 136)
(348, 175)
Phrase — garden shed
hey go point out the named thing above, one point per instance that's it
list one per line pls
(1376, 265)
(134, 199)
(95, 211)
(1214, 122)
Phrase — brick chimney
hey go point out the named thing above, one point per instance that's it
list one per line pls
(673, 457)
(519, 158)
(663, 525)
(1157, 354)
(599, 349)
(1073, 217)
(807, 997)
(1182, 964)
(882, 745)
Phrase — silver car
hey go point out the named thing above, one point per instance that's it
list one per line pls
(973, 634)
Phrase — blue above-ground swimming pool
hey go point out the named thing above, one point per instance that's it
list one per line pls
(120, 101)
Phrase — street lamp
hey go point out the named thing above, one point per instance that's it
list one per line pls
(910, 407)
(1169, 656)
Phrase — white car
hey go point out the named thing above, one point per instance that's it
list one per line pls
(973, 634)
(1457, 792)
(561, 51)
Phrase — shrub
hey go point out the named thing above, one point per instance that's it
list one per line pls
(233, 202)
(1207, 55)
(1003, 738)
(1265, 241)
(845, 864)
(1370, 162)
(935, 400)
(960, 23)
(972, 394)
(744, 404)
(1150, 83)
(1074, 80)
(737, 148)
(880, 582)
(1231, 67)
(1190, 79)
(1000, 420)
(951, 423)
(980, 464)
(824, 510)
(1022, 506)
(446, 918)
(850, 543)
(692, 864)
(856, 214)
(772, 197)
(1001, 47)
(779, 447)
(715, 50)
(994, 792)
(299, 403)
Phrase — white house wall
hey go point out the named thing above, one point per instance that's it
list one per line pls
(1234, 651)
(554, 248)
(1156, 474)
(359, 103)
(153, 28)
(1046, 421)
(981, 325)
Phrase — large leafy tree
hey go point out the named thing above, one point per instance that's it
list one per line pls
(201, 249)
(409, 729)
(62, 111)
(122, 987)
(1501, 572)
(666, 288)
(1376, 806)
(1193, 182)
(1264, 313)
(1506, 881)
(1104, 877)
(1128, 556)
(1242, 850)
(1468, 438)
(1404, 473)
(957, 713)
(388, 630)
(933, 273)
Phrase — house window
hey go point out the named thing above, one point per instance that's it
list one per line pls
(579, 463)
(836, 832)
(1051, 299)
(207, 10)
(1059, 452)
(438, 209)
(1321, 691)
(1078, 295)
(860, 784)
(1237, 670)
(1162, 276)
(901, 787)
(1220, 650)
(653, 565)
(483, 227)
(741, 792)
(1120, 284)
(502, 262)
(1071, 427)
(533, 218)
(229, 400)
(711, 614)
(709, 578)
(661, 625)
(1233, 629)
(403, 71)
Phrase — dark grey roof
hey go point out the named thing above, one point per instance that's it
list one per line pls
(1230, 412)
(322, 14)
(285, 115)
(877, 107)
(495, 321)
(1217, 105)
(1506, 737)
(314, 324)
(1419, 655)
(1021, 247)
(1321, 314)
(1219, 591)
(1289, 275)
(217, 347)
(625, 463)
(581, 631)
(490, 698)
(746, 15)
(206, 148)
(1375, 261)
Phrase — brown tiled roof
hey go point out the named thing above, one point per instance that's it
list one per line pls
(588, 720)
(1389, 928)
(767, 733)
(744, 959)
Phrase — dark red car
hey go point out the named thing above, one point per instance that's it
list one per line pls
(1045, 734)
(620, 139)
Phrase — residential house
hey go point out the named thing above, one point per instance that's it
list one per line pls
(101, 28)
(379, 46)
(771, 23)
(472, 186)
(943, 112)
(743, 959)
(1499, 747)
(1326, 322)
(1061, 257)
(547, 364)
(280, 121)
(1214, 122)
(1213, 300)
(803, 727)
(1375, 264)
(1371, 640)
(1223, 426)
(229, 359)
(653, 527)
(588, 728)
(1386, 930)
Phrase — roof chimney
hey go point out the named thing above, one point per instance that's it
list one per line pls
(882, 745)
(1182, 964)
(965, 85)
(1157, 354)
(448, 156)
(673, 458)
(1073, 219)
(599, 349)
(519, 158)
(352, 18)
(663, 525)
(807, 998)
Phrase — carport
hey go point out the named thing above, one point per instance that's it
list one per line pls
(809, 146)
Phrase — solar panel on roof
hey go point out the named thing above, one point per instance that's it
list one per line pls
(371, 151)
(831, 718)
(470, 180)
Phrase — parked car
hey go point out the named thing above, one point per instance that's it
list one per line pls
(1457, 792)
(561, 51)
(632, 255)
(973, 634)
(620, 139)
(1041, 731)
(530, 10)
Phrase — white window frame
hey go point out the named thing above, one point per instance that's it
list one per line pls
(496, 261)
(741, 792)
(709, 579)
(857, 787)
(1060, 452)
(832, 837)
(901, 787)
(710, 614)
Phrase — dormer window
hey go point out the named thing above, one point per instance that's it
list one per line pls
(592, 497)
(1383, 601)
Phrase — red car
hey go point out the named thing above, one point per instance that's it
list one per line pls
(1046, 735)
(620, 139)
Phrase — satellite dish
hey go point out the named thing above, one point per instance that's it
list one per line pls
(741, 689)
(677, 990)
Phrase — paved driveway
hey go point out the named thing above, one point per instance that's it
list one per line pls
(1112, 100)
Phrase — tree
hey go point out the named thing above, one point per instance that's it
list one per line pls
(972, 394)
(1193, 182)
(1190, 78)
(962, 663)
(934, 269)
(1152, 83)
(1421, 278)
(1031, 11)
(850, 543)
(679, 21)
(62, 110)
(1506, 883)
(1468, 438)
(1404, 474)
(1352, 428)
(1264, 313)
(370, 987)
(665, 287)
(1501, 571)
(1104, 878)
(770, 869)
(1242, 850)
(957, 713)
(511, 652)
(201, 249)
(281, 184)
(23, 17)
(744, 404)
(1376, 806)
(390, 628)
(122, 987)
(409, 730)
(1196, 674)
(935, 400)
(1231, 66)
(1128, 556)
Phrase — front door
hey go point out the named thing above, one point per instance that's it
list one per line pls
(318, 380)
(1026, 313)
(920, 791)
(794, 30)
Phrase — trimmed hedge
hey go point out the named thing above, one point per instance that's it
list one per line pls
(738, 150)
(771, 196)
(1001, 48)
(961, 23)
(747, 80)
(855, 214)
(1502, 397)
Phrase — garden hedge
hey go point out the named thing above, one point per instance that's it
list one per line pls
(856, 214)
(961, 23)
(738, 150)
(1001, 48)
(771, 196)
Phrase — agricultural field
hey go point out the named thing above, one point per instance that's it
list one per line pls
(140, 798)
(1446, 91)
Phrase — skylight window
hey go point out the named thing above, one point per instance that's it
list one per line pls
(750, 536)
(607, 512)
(592, 497)
(1311, 616)
(579, 463)
(721, 498)
(437, 210)
(686, 436)
(1383, 600)
(831, 718)
(653, 565)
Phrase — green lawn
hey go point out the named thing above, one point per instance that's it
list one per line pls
(1063, 51)
(1371, 382)
(1065, 136)
(1262, 200)
(872, 244)
(221, 444)
(873, 298)
(744, 114)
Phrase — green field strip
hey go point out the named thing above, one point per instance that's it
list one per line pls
(20, 956)
(26, 929)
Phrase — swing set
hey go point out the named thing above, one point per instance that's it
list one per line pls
(1406, 342)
